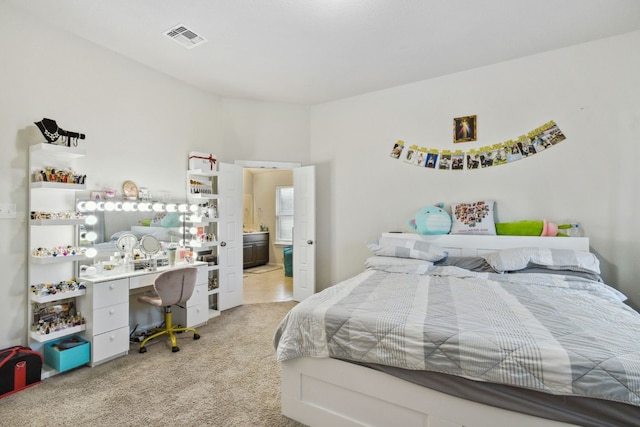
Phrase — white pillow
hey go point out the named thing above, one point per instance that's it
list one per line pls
(407, 248)
(379, 261)
(555, 259)
(473, 218)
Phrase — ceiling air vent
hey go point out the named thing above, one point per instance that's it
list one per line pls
(186, 37)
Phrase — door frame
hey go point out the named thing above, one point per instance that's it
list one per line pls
(258, 164)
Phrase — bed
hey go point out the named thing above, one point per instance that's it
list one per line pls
(501, 330)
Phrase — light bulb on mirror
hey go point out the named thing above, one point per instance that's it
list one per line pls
(91, 252)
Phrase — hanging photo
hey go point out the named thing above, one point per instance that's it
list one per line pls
(421, 158)
(465, 129)
(397, 149)
(445, 160)
(500, 155)
(411, 154)
(487, 157)
(432, 159)
(457, 160)
(513, 151)
(555, 134)
(473, 160)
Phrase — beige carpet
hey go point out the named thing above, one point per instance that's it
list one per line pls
(227, 378)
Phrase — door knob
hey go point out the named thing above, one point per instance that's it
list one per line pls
(223, 243)
(309, 242)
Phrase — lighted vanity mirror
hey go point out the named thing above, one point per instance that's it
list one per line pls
(108, 226)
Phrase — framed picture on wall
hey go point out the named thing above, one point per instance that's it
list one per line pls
(465, 129)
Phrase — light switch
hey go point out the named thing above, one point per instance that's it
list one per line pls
(7, 210)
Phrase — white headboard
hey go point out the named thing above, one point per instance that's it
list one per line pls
(463, 245)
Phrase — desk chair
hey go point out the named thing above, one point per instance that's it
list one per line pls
(172, 287)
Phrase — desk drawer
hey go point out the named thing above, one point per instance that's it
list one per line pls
(143, 280)
(110, 318)
(109, 344)
(191, 316)
(199, 295)
(111, 292)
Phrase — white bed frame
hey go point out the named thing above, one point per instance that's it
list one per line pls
(329, 392)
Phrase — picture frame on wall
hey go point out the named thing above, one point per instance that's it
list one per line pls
(465, 129)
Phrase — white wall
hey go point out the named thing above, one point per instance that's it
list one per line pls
(592, 91)
(140, 125)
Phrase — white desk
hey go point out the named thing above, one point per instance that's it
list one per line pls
(105, 308)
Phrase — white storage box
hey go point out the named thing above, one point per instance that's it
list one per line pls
(206, 162)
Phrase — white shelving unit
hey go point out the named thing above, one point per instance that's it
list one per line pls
(202, 190)
(52, 198)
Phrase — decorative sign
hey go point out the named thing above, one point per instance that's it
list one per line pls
(534, 142)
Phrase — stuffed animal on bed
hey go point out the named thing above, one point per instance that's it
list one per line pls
(530, 228)
(431, 220)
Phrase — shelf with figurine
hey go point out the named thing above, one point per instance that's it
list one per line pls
(62, 253)
(48, 292)
(55, 319)
(57, 218)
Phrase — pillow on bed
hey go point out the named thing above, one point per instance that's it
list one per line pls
(556, 259)
(406, 248)
(473, 218)
(378, 261)
(477, 264)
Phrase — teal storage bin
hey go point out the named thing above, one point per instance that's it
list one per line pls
(287, 252)
(65, 359)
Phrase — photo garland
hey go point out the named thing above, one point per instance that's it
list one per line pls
(534, 142)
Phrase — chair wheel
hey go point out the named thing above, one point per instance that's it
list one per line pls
(196, 336)
(143, 349)
(175, 349)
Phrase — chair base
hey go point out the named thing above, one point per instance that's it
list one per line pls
(158, 332)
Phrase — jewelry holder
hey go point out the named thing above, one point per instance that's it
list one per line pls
(52, 133)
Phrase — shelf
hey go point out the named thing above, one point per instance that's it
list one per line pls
(202, 196)
(57, 221)
(57, 259)
(57, 186)
(48, 149)
(202, 244)
(59, 334)
(212, 267)
(200, 172)
(58, 296)
(205, 222)
(213, 291)
(213, 313)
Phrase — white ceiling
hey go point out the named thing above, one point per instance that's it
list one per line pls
(313, 51)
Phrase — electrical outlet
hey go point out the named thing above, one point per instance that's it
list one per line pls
(7, 210)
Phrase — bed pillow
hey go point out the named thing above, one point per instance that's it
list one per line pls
(407, 248)
(473, 218)
(379, 261)
(556, 259)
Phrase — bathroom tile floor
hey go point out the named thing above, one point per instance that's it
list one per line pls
(271, 286)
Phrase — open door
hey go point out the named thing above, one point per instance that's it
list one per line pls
(304, 232)
(230, 235)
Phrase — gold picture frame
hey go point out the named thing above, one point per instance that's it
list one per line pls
(465, 129)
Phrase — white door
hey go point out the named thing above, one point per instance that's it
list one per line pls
(304, 232)
(230, 238)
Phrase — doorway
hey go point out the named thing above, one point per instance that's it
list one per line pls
(266, 282)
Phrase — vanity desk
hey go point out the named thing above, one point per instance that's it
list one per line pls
(105, 307)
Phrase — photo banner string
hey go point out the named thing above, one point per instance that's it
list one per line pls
(536, 141)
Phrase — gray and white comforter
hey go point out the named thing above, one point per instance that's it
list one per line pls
(552, 333)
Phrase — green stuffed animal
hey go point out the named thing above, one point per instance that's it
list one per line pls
(531, 228)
